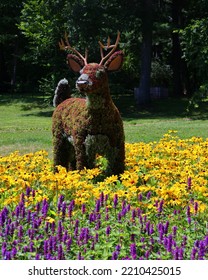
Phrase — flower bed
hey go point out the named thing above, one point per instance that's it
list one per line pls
(157, 209)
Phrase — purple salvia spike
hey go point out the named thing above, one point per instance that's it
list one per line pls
(133, 251)
(83, 208)
(115, 201)
(115, 255)
(193, 253)
(108, 230)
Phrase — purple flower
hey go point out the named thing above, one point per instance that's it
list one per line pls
(84, 235)
(184, 242)
(102, 198)
(202, 250)
(161, 231)
(174, 229)
(37, 257)
(63, 210)
(196, 207)
(169, 243)
(20, 232)
(133, 214)
(176, 253)
(60, 252)
(115, 255)
(50, 244)
(133, 251)
(151, 231)
(3, 216)
(123, 211)
(132, 237)
(47, 227)
(206, 240)
(160, 208)
(45, 247)
(147, 228)
(38, 207)
(17, 211)
(45, 208)
(140, 197)
(98, 225)
(32, 247)
(70, 208)
(83, 208)
(148, 195)
(97, 206)
(188, 212)
(115, 201)
(166, 227)
(193, 253)
(181, 252)
(60, 230)
(61, 199)
(4, 249)
(79, 256)
(119, 217)
(28, 191)
(28, 216)
(53, 227)
(189, 183)
(139, 212)
(8, 255)
(118, 248)
(14, 252)
(108, 230)
(68, 245)
(92, 217)
(147, 253)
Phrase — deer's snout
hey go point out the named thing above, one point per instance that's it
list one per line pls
(83, 82)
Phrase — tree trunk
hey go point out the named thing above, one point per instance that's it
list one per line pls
(146, 51)
(180, 75)
(4, 77)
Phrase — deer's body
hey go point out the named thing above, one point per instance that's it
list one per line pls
(84, 127)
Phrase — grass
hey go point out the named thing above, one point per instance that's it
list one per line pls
(26, 121)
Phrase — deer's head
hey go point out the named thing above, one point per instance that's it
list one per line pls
(93, 76)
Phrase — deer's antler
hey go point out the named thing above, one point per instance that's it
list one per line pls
(66, 46)
(109, 46)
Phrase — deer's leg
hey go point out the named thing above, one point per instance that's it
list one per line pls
(63, 153)
(80, 153)
(116, 162)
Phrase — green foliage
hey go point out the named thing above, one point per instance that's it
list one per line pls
(195, 47)
(199, 99)
(41, 24)
(161, 74)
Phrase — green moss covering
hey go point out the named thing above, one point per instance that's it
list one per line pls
(85, 127)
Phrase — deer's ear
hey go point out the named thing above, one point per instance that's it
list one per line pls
(74, 62)
(115, 61)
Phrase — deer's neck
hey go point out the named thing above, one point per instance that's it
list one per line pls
(99, 100)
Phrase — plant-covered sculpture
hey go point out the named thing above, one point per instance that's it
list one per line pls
(85, 127)
(62, 92)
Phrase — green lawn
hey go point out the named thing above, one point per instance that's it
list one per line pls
(26, 121)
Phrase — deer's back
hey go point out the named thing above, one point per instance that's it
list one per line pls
(74, 118)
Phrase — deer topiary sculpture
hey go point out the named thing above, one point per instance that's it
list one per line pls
(85, 127)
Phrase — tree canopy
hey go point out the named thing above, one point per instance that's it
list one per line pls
(165, 41)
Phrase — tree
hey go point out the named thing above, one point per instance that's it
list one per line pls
(9, 37)
(180, 75)
(146, 52)
(194, 43)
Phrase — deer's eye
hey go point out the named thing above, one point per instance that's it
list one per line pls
(99, 73)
